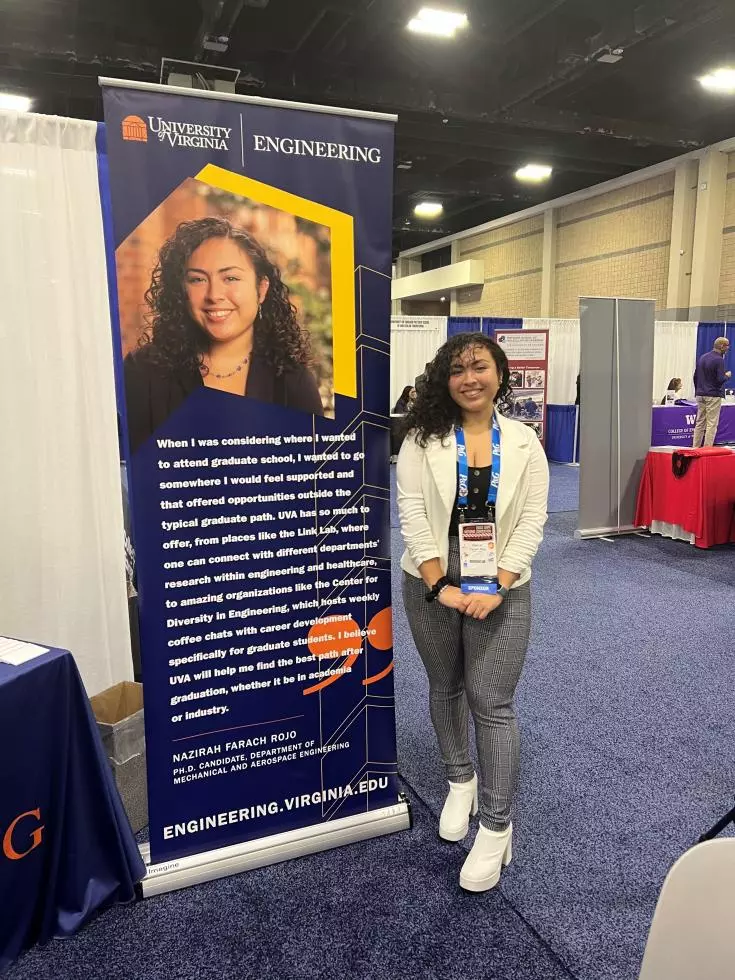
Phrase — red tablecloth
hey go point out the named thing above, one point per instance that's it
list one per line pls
(702, 502)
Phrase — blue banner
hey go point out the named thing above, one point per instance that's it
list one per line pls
(253, 249)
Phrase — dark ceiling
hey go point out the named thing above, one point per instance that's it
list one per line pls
(523, 82)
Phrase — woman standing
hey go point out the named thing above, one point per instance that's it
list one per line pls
(221, 317)
(462, 467)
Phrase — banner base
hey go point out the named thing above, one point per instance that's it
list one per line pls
(608, 532)
(208, 865)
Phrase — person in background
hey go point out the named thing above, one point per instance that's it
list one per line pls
(472, 645)
(709, 389)
(672, 392)
(405, 400)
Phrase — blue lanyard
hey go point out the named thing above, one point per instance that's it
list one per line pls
(464, 473)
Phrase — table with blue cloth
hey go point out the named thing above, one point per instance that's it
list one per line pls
(66, 847)
(562, 433)
(671, 425)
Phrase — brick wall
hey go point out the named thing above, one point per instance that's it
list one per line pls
(615, 244)
(423, 307)
(512, 256)
(726, 295)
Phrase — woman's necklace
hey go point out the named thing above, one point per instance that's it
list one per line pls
(240, 366)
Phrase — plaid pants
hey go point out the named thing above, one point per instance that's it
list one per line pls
(474, 663)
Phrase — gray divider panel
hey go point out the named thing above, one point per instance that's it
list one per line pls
(615, 410)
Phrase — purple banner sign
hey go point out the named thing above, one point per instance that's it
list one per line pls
(673, 425)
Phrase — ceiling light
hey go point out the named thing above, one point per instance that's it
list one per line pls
(720, 80)
(16, 103)
(533, 173)
(428, 209)
(438, 23)
(443, 299)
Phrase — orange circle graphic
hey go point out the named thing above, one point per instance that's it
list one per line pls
(380, 630)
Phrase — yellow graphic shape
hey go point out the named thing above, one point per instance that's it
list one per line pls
(341, 226)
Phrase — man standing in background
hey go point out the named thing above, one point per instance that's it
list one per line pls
(709, 389)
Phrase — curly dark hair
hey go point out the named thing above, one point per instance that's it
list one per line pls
(175, 341)
(435, 413)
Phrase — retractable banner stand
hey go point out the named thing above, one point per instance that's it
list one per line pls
(528, 360)
(616, 377)
(253, 250)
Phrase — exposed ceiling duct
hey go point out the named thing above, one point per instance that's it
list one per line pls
(594, 88)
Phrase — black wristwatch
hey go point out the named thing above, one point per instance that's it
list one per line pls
(503, 592)
(436, 588)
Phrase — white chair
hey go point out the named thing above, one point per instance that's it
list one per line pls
(692, 935)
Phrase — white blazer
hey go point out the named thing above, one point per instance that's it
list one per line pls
(427, 487)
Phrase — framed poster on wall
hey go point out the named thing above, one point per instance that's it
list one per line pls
(528, 359)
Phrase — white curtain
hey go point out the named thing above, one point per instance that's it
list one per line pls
(413, 341)
(62, 573)
(564, 353)
(674, 356)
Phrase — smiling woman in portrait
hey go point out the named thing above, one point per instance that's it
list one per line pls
(220, 317)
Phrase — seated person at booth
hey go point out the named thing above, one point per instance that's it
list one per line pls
(405, 401)
(672, 392)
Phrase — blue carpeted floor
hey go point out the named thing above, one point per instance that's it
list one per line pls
(563, 488)
(627, 711)
(389, 907)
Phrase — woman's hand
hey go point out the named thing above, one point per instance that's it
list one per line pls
(480, 606)
(453, 598)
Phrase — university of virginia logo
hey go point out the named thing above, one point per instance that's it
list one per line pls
(192, 135)
(24, 835)
(133, 128)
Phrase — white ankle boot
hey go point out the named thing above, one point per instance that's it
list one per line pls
(491, 851)
(454, 821)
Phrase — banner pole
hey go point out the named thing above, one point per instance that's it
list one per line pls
(163, 89)
(208, 865)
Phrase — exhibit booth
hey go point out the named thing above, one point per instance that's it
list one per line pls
(140, 490)
(246, 538)
(677, 346)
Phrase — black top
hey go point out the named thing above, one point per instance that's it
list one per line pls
(153, 393)
(477, 509)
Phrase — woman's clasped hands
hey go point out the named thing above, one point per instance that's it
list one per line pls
(475, 605)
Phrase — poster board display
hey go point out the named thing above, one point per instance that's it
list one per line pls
(528, 359)
(253, 250)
